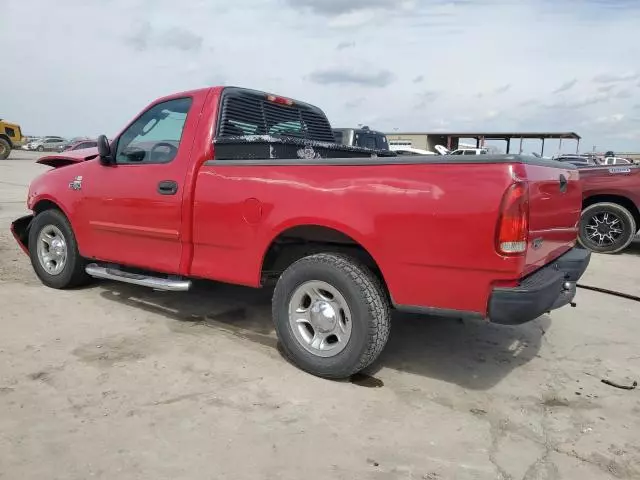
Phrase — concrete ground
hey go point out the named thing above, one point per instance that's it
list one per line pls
(115, 381)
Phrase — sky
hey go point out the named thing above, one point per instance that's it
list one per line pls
(86, 67)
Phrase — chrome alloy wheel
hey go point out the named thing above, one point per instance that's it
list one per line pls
(604, 229)
(52, 249)
(320, 318)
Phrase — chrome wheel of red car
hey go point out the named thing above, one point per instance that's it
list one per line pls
(331, 315)
(606, 228)
(52, 249)
(320, 318)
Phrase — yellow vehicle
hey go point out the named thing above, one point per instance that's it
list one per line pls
(10, 137)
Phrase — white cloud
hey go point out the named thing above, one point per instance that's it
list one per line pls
(566, 86)
(616, 78)
(608, 119)
(88, 67)
(353, 19)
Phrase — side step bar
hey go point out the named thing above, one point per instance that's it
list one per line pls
(157, 283)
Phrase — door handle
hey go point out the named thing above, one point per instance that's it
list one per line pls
(167, 187)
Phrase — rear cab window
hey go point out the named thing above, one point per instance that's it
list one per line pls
(258, 125)
(246, 113)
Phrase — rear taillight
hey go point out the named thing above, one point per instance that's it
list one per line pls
(513, 224)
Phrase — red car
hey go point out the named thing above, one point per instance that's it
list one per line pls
(250, 188)
(611, 207)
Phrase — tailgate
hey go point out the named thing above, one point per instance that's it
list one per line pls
(555, 204)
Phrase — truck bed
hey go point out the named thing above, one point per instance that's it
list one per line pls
(430, 223)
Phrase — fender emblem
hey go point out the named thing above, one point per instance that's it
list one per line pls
(537, 243)
(76, 184)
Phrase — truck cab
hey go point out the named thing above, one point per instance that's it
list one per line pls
(361, 137)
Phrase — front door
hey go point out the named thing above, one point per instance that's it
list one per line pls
(131, 212)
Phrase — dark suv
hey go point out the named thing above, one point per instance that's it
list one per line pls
(361, 137)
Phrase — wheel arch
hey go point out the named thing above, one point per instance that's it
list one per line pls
(293, 242)
(21, 226)
(46, 204)
(617, 199)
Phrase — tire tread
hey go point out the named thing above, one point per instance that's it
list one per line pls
(374, 296)
(78, 276)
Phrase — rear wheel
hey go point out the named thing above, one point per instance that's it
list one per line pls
(54, 251)
(331, 315)
(5, 149)
(606, 228)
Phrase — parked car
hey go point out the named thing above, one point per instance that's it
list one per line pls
(461, 151)
(404, 150)
(610, 217)
(46, 144)
(616, 161)
(577, 160)
(211, 184)
(27, 141)
(10, 138)
(78, 145)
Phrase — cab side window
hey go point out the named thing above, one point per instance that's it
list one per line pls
(155, 136)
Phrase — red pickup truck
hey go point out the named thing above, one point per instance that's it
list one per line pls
(250, 188)
(611, 207)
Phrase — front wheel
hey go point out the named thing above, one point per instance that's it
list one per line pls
(54, 252)
(40, 148)
(331, 315)
(606, 228)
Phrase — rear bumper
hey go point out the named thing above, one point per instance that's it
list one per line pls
(548, 288)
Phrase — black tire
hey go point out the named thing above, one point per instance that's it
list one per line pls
(366, 299)
(73, 273)
(40, 148)
(612, 211)
(5, 149)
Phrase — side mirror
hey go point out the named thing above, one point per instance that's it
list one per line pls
(104, 150)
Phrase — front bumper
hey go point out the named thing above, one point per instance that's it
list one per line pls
(549, 288)
(20, 231)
